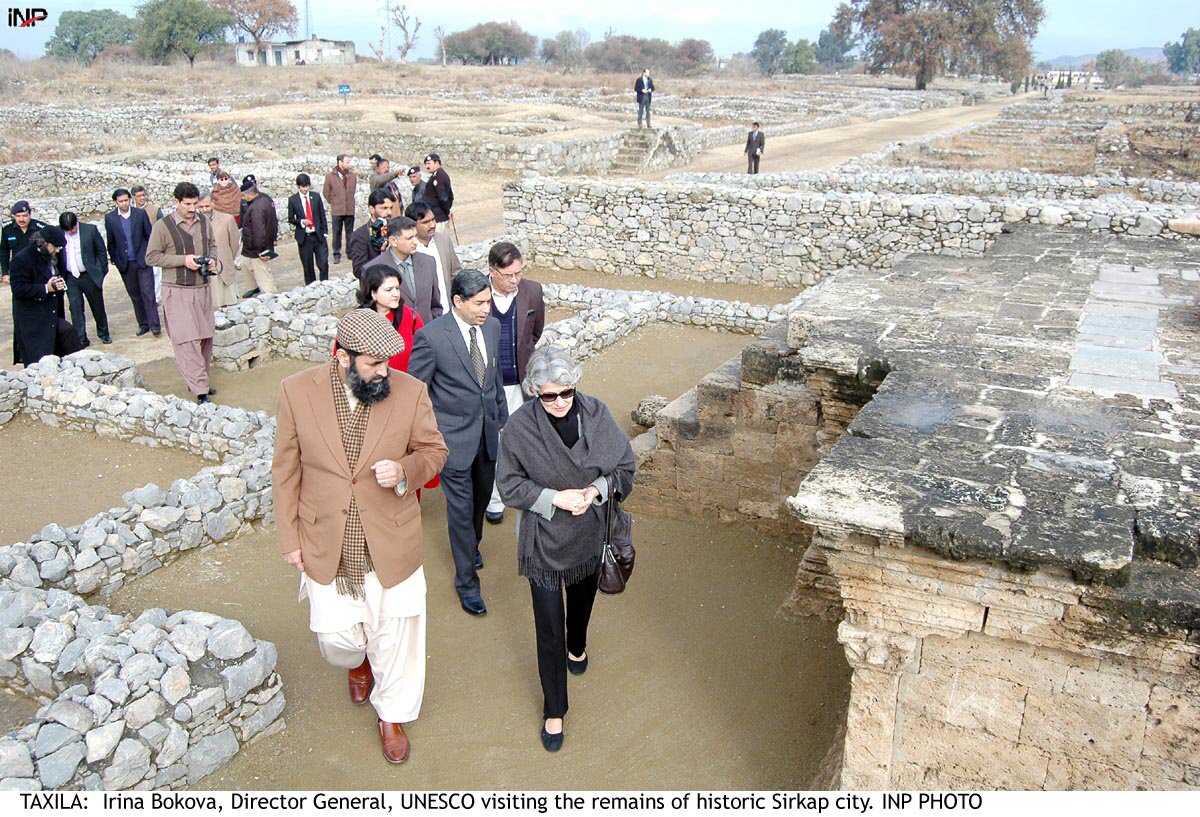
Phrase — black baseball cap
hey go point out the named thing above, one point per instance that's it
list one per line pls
(433, 157)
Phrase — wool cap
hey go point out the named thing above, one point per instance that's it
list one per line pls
(367, 332)
(52, 235)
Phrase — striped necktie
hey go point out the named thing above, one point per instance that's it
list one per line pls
(477, 358)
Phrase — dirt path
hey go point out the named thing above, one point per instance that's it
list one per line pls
(822, 149)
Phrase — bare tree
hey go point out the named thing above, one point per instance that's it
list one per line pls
(379, 49)
(409, 26)
(439, 34)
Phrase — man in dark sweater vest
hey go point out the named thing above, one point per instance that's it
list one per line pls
(519, 306)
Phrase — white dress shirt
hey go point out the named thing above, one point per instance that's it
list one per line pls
(430, 250)
(72, 254)
(466, 328)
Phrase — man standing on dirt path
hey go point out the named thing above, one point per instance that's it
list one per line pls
(755, 142)
(438, 193)
(339, 192)
(353, 443)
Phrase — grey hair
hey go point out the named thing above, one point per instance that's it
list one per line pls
(550, 364)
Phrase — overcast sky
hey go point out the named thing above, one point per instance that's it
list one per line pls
(1071, 27)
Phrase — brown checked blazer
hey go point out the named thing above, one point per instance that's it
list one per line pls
(313, 482)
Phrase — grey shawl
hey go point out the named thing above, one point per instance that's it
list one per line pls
(564, 548)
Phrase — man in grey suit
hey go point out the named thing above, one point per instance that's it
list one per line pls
(418, 273)
(755, 142)
(83, 263)
(456, 356)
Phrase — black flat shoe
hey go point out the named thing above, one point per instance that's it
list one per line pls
(494, 518)
(143, 330)
(478, 560)
(251, 293)
(474, 606)
(211, 391)
(105, 339)
(551, 743)
(577, 667)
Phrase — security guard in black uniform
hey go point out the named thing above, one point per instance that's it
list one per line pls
(15, 235)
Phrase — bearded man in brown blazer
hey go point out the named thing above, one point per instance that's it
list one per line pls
(354, 441)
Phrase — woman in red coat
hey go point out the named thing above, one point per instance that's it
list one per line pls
(379, 289)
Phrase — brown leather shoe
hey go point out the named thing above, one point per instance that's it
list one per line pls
(362, 681)
(395, 742)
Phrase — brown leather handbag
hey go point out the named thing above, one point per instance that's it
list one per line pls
(616, 558)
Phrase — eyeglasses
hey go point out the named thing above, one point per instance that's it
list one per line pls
(511, 276)
(549, 397)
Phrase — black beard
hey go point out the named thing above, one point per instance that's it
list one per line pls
(367, 392)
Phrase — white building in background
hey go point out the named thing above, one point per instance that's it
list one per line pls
(314, 51)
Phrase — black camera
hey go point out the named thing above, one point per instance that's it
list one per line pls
(379, 235)
(205, 264)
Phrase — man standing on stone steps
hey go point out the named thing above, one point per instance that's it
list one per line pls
(755, 142)
(644, 87)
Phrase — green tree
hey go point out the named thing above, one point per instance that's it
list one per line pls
(81, 35)
(190, 27)
(1118, 68)
(1183, 57)
(800, 58)
(259, 19)
(769, 49)
(833, 51)
(921, 38)
(491, 44)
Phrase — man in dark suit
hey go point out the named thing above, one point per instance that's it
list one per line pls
(381, 204)
(521, 309)
(418, 273)
(755, 142)
(306, 212)
(83, 263)
(438, 193)
(456, 356)
(643, 86)
(37, 292)
(127, 232)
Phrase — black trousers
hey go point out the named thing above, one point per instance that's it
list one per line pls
(557, 634)
(314, 249)
(467, 495)
(139, 285)
(752, 162)
(77, 290)
(341, 223)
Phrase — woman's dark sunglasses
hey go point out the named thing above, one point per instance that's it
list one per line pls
(550, 397)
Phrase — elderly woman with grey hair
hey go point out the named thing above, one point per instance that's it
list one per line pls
(562, 457)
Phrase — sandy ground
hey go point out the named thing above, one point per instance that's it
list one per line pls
(72, 475)
(822, 149)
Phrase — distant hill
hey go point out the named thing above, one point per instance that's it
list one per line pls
(1143, 54)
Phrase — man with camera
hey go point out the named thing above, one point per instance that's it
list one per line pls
(182, 244)
(368, 241)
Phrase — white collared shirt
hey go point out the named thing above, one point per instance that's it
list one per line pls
(73, 254)
(430, 250)
(503, 303)
(466, 328)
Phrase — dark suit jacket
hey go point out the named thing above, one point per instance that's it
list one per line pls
(296, 215)
(648, 92)
(424, 301)
(359, 249)
(754, 141)
(91, 249)
(531, 319)
(139, 233)
(35, 312)
(464, 409)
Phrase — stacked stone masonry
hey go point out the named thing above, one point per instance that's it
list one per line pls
(163, 699)
(1012, 542)
(725, 233)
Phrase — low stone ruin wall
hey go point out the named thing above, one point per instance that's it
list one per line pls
(154, 702)
(717, 233)
(984, 184)
(165, 699)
